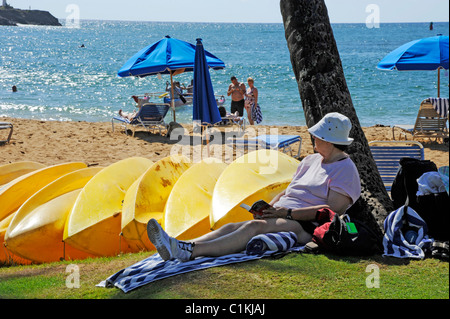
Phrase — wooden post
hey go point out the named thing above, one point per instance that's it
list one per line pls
(172, 97)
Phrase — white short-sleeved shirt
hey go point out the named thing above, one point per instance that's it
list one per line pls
(314, 179)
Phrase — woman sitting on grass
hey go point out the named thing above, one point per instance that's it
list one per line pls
(326, 179)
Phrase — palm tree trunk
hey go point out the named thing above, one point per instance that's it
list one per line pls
(323, 89)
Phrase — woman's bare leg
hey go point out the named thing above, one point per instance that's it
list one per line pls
(227, 240)
(248, 108)
(236, 241)
(127, 115)
(222, 231)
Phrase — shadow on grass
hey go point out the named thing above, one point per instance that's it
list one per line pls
(229, 281)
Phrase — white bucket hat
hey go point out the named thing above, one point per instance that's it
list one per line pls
(333, 128)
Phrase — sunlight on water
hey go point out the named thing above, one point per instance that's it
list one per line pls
(58, 79)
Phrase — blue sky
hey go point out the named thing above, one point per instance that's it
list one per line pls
(340, 11)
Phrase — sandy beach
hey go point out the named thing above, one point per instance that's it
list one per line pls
(55, 142)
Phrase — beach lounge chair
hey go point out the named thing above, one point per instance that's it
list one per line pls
(149, 116)
(282, 143)
(6, 126)
(387, 155)
(429, 123)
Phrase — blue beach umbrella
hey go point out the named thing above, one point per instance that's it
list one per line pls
(167, 56)
(427, 54)
(205, 107)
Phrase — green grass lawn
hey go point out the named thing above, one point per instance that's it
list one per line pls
(294, 276)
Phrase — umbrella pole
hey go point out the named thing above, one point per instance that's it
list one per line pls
(172, 100)
(205, 131)
(439, 82)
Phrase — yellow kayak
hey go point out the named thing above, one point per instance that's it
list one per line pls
(94, 224)
(16, 192)
(9, 172)
(257, 175)
(7, 257)
(36, 231)
(186, 215)
(146, 198)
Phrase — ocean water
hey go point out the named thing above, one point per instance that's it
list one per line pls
(59, 80)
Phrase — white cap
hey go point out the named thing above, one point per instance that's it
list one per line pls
(333, 128)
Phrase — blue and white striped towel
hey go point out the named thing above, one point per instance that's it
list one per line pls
(273, 242)
(256, 113)
(440, 105)
(394, 242)
(155, 268)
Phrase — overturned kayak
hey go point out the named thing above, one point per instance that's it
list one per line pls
(146, 198)
(36, 231)
(94, 224)
(257, 175)
(16, 192)
(187, 211)
(9, 172)
(7, 257)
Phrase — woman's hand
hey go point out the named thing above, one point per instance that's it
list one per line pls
(273, 212)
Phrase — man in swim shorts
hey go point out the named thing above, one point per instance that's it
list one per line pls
(237, 91)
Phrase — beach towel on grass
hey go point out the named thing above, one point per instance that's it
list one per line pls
(155, 268)
(394, 242)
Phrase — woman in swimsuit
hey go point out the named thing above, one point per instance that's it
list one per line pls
(251, 99)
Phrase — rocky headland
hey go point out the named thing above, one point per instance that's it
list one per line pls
(13, 17)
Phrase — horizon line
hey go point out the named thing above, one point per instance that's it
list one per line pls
(240, 22)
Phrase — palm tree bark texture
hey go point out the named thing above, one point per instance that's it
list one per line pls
(323, 89)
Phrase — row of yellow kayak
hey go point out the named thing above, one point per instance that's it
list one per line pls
(72, 211)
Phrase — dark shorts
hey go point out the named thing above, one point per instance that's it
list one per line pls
(238, 106)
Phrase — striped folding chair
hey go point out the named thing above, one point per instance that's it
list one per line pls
(431, 121)
(387, 155)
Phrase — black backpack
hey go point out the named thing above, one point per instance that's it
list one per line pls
(405, 185)
(342, 236)
(433, 208)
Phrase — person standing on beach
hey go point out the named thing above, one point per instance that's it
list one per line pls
(237, 92)
(251, 102)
